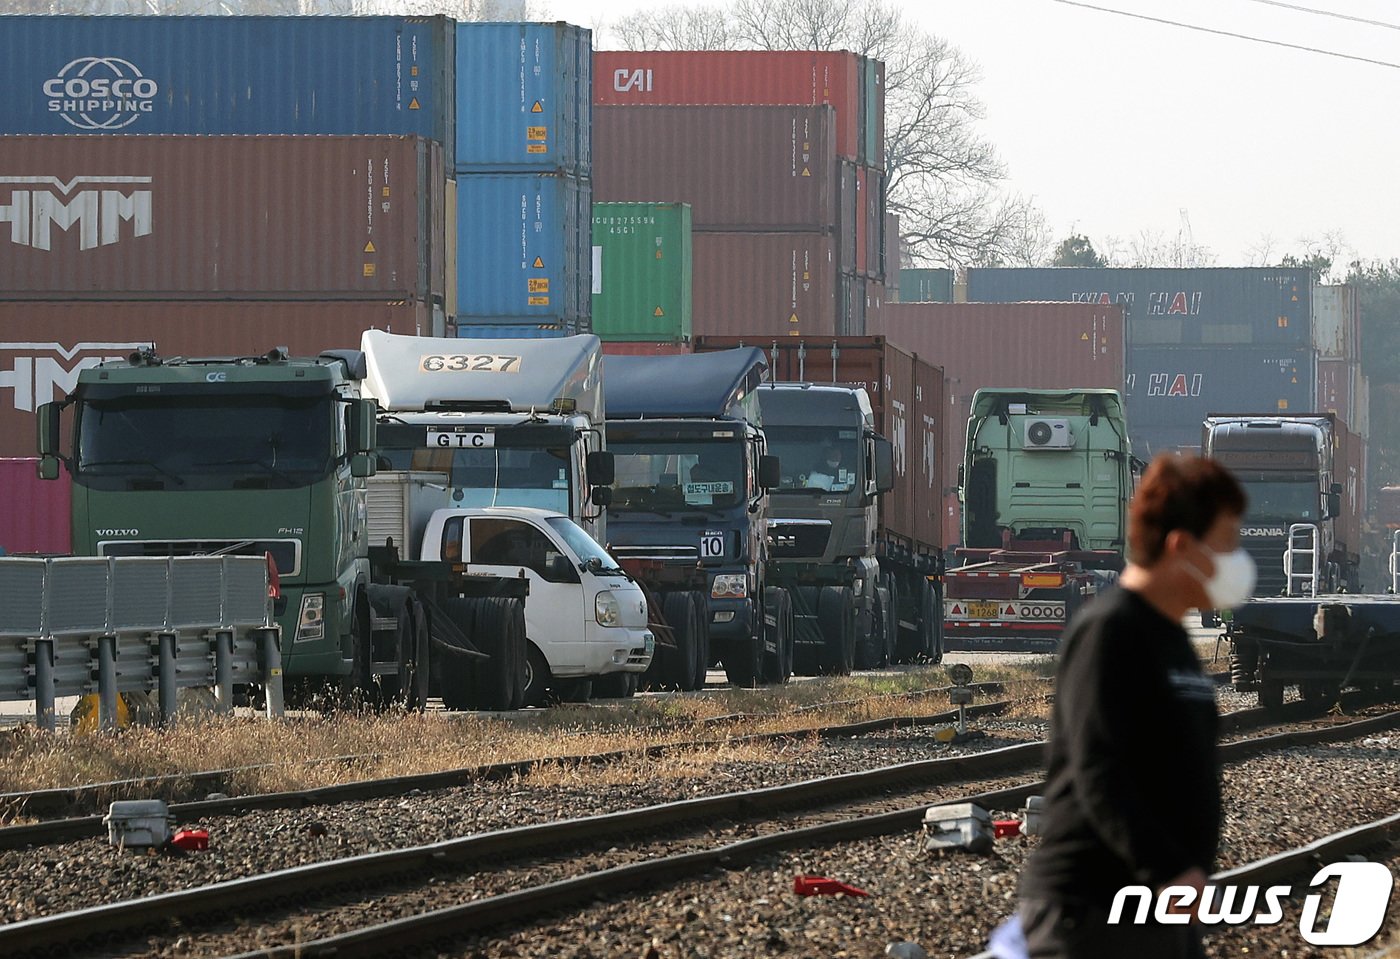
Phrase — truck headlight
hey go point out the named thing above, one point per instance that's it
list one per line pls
(312, 623)
(606, 609)
(730, 586)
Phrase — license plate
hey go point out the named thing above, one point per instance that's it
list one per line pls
(984, 610)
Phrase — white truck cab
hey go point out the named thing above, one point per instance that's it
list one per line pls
(585, 619)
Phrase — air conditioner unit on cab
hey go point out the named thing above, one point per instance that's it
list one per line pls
(1047, 434)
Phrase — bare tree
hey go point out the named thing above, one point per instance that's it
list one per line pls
(943, 177)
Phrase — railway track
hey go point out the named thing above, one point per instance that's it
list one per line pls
(869, 807)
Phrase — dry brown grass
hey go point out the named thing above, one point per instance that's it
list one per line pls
(294, 753)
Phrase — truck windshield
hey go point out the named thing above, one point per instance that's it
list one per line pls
(584, 546)
(1283, 501)
(206, 443)
(669, 476)
(816, 457)
(494, 477)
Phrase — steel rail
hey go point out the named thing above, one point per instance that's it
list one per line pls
(47, 934)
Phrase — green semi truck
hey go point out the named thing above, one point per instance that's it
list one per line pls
(269, 456)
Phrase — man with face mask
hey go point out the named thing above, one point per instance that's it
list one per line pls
(826, 472)
(1133, 795)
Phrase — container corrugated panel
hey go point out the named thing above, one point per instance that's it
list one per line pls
(877, 157)
(229, 75)
(517, 331)
(920, 285)
(849, 216)
(43, 346)
(523, 248)
(524, 95)
(35, 514)
(1172, 389)
(876, 295)
(1336, 322)
(768, 284)
(1336, 387)
(633, 348)
(1172, 307)
(751, 168)
(863, 200)
(906, 396)
(642, 271)
(1031, 345)
(1361, 404)
(280, 217)
(874, 225)
(734, 78)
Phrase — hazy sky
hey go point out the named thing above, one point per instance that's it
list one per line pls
(1116, 125)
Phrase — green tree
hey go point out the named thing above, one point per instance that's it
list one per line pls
(1319, 263)
(1077, 250)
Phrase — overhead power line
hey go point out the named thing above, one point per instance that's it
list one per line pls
(1227, 33)
(1329, 13)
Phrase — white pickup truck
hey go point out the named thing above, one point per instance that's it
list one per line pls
(585, 619)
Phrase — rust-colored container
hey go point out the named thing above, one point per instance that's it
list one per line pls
(634, 348)
(725, 77)
(34, 513)
(193, 217)
(905, 393)
(740, 168)
(1031, 345)
(1336, 388)
(764, 284)
(43, 346)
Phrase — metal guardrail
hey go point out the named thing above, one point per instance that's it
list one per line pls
(72, 626)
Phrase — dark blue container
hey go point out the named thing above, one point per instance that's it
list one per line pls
(1169, 307)
(229, 75)
(524, 97)
(524, 249)
(517, 331)
(1171, 390)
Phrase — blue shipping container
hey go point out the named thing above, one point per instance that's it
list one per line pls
(524, 97)
(1171, 390)
(524, 249)
(229, 75)
(517, 331)
(1169, 307)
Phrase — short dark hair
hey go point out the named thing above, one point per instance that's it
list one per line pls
(1179, 492)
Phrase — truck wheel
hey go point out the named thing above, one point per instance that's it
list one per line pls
(454, 673)
(574, 690)
(836, 611)
(615, 686)
(703, 655)
(412, 642)
(930, 623)
(499, 682)
(891, 624)
(536, 676)
(358, 690)
(678, 665)
(870, 650)
(806, 633)
(777, 667)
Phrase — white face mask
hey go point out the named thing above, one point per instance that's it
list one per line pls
(1233, 582)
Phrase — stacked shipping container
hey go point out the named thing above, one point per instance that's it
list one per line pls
(1200, 341)
(642, 272)
(524, 188)
(779, 155)
(1031, 345)
(1341, 386)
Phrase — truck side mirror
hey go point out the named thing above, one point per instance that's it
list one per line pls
(1334, 505)
(362, 465)
(600, 468)
(961, 478)
(770, 472)
(48, 439)
(361, 427)
(601, 496)
(884, 465)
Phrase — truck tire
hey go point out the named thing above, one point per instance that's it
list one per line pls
(703, 654)
(931, 623)
(743, 658)
(412, 640)
(499, 683)
(615, 686)
(454, 673)
(836, 610)
(806, 632)
(870, 649)
(898, 652)
(578, 690)
(678, 666)
(537, 676)
(358, 690)
(777, 667)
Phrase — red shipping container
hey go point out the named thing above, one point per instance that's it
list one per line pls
(1047, 346)
(34, 513)
(730, 77)
(905, 395)
(46, 345)
(188, 217)
(636, 348)
(764, 284)
(1336, 388)
(766, 169)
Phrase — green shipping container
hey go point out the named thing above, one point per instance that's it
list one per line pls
(926, 286)
(872, 109)
(641, 272)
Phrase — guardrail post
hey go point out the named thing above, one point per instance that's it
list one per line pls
(223, 670)
(107, 683)
(169, 689)
(43, 685)
(272, 671)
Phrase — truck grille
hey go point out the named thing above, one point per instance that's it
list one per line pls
(286, 553)
(1267, 552)
(798, 540)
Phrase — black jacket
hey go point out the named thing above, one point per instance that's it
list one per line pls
(1133, 790)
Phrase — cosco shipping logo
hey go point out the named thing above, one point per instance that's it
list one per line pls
(100, 93)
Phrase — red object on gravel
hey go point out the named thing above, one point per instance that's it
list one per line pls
(191, 840)
(1006, 827)
(821, 886)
